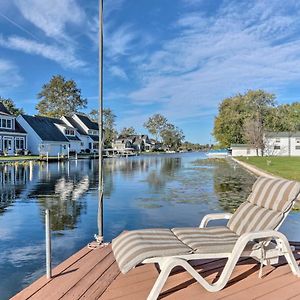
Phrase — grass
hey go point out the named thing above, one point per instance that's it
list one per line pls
(286, 167)
(14, 158)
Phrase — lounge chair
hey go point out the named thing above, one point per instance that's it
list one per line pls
(250, 232)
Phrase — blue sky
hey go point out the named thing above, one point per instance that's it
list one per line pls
(175, 57)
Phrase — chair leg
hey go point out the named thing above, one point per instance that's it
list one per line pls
(288, 254)
(165, 270)
(169, 264)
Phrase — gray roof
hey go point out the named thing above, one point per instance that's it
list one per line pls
(241, 146)
(73, 138)
(95, 138)
(45, 128)
(88, 122)
(76, 125)
(283, 134)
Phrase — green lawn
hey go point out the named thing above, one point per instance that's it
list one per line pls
(13, 158)
(286, 167)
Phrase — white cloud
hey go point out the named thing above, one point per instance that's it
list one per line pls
(52, 17)
(118, 72)
(9, 75)
(112, 6)
(245, 45)
(120, 41)
(62, 55)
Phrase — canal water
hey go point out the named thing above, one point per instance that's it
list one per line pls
(163, 190)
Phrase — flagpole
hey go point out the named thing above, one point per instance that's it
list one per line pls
(100, 123)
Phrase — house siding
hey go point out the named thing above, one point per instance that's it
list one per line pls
(281, 145)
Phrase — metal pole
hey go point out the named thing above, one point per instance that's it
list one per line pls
(48, 244)
(100, 123)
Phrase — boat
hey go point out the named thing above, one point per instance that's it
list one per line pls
(222, 153)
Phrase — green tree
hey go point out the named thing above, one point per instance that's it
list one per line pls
(228, 125)
(109, 124)
(94, 114)
(236, 111)
(11, 107)
(172, 136)
(60, 97)
(128, 131)
(285, 117)
(155, 125)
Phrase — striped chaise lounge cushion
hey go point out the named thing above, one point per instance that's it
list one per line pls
(132, 247)
(266, 205)
(219, 239)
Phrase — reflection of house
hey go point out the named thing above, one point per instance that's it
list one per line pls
(13, 137)
(12, 181)
(87, 131)
(44, 135)
(276, 144)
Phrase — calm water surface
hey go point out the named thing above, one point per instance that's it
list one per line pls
(140, 192)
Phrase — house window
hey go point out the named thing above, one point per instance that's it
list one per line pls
(6, 123)
(69, 132)
(20, 143)
(276, 147)
(248, 151)
(82, 144)
(297, 147)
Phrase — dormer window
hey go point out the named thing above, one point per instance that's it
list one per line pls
(6, 123)
(93, 132)
(69, 132)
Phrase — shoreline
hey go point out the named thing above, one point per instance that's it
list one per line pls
(254, 170)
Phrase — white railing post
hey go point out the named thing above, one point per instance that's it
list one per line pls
(48, 244)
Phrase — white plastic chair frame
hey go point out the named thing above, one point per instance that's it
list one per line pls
(272, 253)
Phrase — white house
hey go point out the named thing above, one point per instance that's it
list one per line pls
(13, 137)
(276, 144)
(243, 150)
(87, 131)
(44, 136)
(71, 134)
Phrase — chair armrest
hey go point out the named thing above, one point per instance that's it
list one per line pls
(210, 217)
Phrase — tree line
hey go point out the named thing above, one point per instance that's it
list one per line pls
(245, 118)
(62, 97)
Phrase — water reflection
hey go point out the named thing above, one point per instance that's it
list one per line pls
(147, 191)
(12, 180)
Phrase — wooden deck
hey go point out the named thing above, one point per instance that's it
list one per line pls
(94, 274)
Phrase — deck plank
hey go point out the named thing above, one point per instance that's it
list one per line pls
(80, 288)
(43, 281)
(94, 274)
(66, 280)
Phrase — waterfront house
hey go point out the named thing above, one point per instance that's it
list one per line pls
(121, 144)
(243, 150)
(276, 144)
(87, 131)
(44, 135)
(13, 137)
